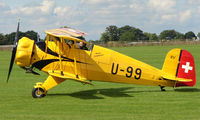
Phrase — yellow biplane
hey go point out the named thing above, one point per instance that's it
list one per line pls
(61, 57)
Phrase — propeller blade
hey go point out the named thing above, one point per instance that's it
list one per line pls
(13, 52)
(17, 34)
(11, 62)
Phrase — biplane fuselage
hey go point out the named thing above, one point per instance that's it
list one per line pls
(63, 61)
(98, 64)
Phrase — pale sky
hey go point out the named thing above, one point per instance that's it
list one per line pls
(93, 16)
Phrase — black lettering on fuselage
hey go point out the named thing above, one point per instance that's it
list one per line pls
(114, 69)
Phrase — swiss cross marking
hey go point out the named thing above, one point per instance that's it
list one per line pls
(187, 67)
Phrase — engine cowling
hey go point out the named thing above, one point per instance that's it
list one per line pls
(24, 52)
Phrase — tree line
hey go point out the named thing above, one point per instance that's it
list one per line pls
(8, 39)
(131, 34)
(113, 33)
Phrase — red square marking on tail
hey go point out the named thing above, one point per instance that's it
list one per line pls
(186, 69)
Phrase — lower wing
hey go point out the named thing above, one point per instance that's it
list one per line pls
(68, 76)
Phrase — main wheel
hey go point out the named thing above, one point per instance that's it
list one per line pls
(38, 93)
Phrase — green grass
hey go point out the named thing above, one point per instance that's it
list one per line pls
(103, 101)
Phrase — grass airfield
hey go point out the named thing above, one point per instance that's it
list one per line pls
(103, 101)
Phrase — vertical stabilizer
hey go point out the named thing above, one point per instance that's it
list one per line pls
(180, 63)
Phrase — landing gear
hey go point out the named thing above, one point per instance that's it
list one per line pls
(162, 88)
(38, 91)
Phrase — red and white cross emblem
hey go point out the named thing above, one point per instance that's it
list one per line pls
(187, 67)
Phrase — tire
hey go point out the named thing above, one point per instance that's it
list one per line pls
(38, 93)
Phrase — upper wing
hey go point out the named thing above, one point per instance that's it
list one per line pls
(67, 33)
(65, 75)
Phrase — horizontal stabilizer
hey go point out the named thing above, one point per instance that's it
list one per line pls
(173, 78)
(68, 76)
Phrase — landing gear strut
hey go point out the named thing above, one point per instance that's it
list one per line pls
(162, 88)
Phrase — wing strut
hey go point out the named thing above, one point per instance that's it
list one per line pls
(61, 67)
(75, 60)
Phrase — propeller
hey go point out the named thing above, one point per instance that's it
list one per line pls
(14, 51)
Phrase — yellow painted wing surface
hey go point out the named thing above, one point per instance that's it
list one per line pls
(67, 33)
(68, 76)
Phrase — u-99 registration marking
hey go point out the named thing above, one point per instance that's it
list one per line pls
(129, 71)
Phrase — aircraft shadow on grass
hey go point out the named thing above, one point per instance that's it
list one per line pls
(114, 92)
(188, 90)
(99, 93)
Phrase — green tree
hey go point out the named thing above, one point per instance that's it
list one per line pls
(127, 36)
(104, 37)
(31, 35)
(198, 35)
(124, 29)
(2, 39)
(113, 33)
(153, 37)
(139, 35)
(9, 38)
(168, 34)
(190, 35)
(150, 36)
(146, 36)
(180, 36)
